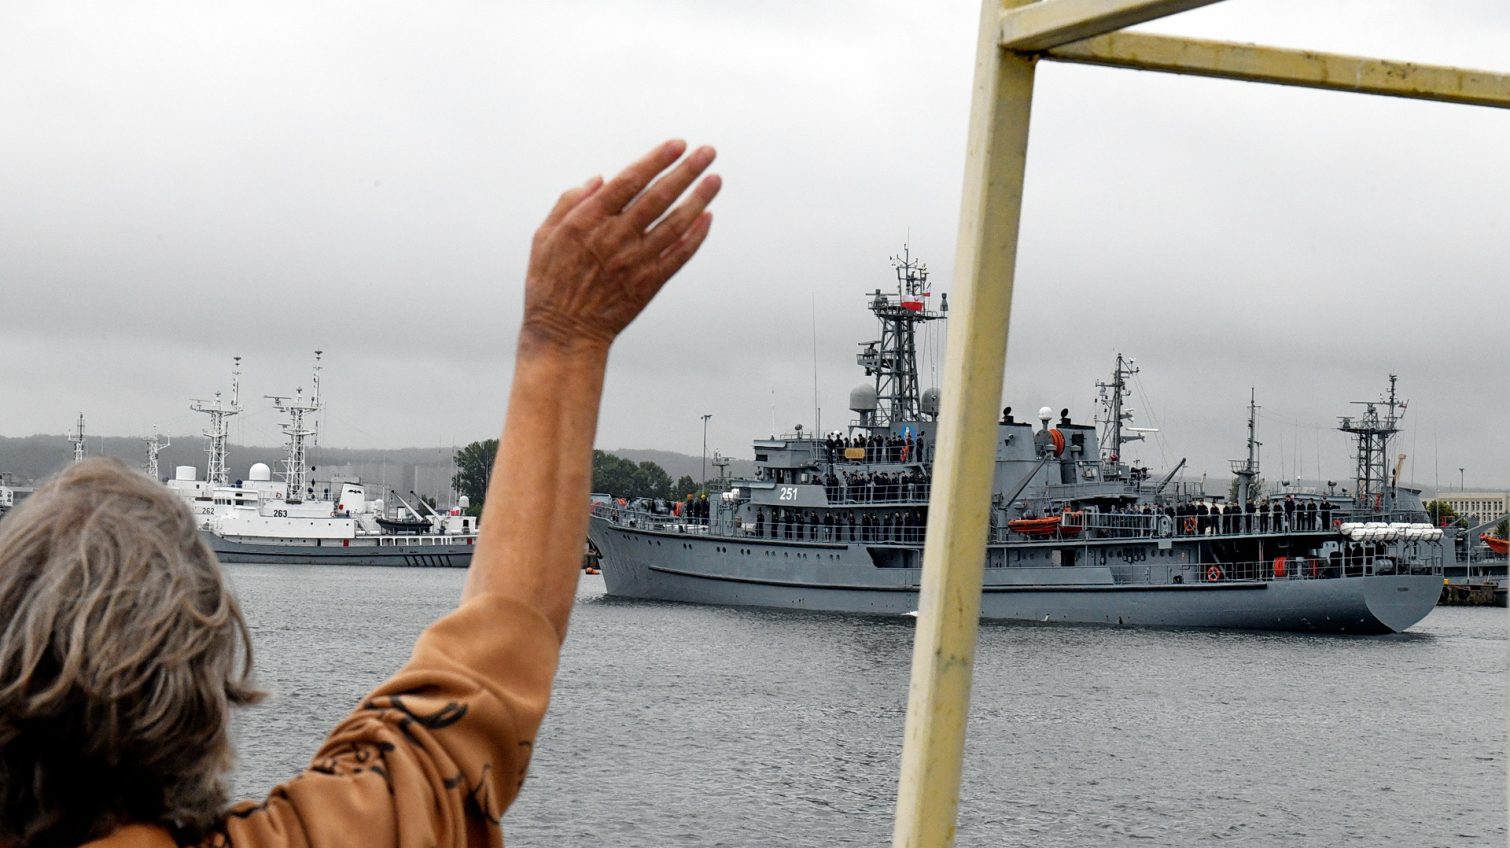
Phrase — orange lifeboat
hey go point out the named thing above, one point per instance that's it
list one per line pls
(1046, 526)
(1496, 544)
(1067, 524)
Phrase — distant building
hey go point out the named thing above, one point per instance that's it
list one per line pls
(1476, 506)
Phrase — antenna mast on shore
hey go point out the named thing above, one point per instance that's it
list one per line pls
(217, 472)
(295, 466)
(78, 440)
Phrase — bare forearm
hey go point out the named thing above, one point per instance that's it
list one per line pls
(535, 516)
(601, 254)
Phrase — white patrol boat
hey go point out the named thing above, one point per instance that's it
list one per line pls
(284, 521)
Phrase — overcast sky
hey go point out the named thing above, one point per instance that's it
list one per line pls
(181, 182)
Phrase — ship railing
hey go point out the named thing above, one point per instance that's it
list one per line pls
(873, 455)
(894, 533)
(1091, 524)
(421, 539)
(888, 493)
(1118, 525)
(647, 520)
(893, 530)
(1284, 568)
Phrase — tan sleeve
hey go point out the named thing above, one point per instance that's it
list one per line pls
(432, 757)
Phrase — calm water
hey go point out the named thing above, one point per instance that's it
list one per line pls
(682, 725)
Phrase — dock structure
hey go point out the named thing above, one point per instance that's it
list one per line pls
(1014, 36)
(1471, 593)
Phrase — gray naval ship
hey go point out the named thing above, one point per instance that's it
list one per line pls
(836, 522)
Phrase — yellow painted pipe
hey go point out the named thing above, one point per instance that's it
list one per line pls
(959, 508)
(1284, 66)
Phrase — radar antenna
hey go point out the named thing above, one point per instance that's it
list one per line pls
(892, 359)
(1247, 469)
(295, 467)
(1373, 433)
(155, 446)
(1114, 434)
(217, 472)
(78, 440)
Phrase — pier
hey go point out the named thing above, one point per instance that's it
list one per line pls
(1478, 593)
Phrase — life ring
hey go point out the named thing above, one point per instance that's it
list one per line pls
(1336, 524)
(1213, 574)
(1191, 524)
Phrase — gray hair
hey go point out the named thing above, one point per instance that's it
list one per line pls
(121, 653)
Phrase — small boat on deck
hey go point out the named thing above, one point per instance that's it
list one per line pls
(1064, 524)
(1496, 544)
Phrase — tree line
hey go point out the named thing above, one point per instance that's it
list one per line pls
(611, 475)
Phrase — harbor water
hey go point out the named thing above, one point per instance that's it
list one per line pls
(687, 725)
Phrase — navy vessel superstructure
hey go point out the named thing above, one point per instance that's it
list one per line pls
(836, 522)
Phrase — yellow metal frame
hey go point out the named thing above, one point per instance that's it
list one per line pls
(1014, 36)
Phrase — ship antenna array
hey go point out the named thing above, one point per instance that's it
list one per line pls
(295, 466)
(892, 360)
(1373, 433)
(78, 440)
(1112, 394)
(217, 473)
(315, 395)
(1247, 469)
(155, 446)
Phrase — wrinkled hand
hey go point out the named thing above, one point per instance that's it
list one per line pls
(606, 249)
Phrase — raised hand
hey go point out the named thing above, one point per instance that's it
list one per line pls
(606, 248)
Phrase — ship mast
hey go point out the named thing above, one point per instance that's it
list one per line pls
(892, 359)
(78, 440)
(217, 472)
(295, 468)
(155, 446)
(1373, 433)
(1247, 469)
(1114, 436)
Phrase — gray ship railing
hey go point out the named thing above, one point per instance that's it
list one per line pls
(912, 493)
(895, 530)
(902, 527)
(1271, 570)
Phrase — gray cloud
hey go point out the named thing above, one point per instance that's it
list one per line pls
(180, 183)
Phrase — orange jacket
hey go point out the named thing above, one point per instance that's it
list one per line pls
(431, 758)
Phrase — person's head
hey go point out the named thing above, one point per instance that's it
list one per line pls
(121, 653)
